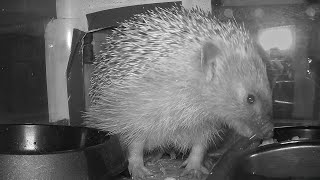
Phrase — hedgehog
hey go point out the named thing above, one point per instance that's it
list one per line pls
(173, 77)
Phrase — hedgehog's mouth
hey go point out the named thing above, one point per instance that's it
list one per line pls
(262, 132)
(243, 130)
(266, 131)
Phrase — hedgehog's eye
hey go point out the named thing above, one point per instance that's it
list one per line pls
(251, 99)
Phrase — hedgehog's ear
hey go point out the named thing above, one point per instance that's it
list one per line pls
(208, 56)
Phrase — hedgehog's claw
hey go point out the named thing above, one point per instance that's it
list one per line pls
(139, 171)
(136, 165)
(193, 164)
(195, 173)
(194, 170)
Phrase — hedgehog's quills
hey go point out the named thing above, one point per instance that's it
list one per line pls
(174, 78)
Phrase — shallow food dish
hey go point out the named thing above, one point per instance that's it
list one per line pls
(286, 159)
(30, 151)
(289, 161)
(302, 132)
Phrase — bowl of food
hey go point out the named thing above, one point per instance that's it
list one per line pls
(288, 161)
(292, 154)
(297, 133)
(34, 151)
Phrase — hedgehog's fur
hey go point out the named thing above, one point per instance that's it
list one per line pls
(150, 84)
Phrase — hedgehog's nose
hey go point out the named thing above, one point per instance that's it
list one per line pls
(268, 135)
(267, 131)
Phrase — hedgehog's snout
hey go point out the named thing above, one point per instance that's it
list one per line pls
(265, 131)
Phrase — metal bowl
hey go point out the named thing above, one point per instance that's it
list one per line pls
(302, 132)
(286, 160)
(299, 160)
(31, 151)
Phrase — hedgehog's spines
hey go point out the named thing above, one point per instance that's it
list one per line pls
(146, 81)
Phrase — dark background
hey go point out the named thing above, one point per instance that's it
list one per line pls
(23, 93)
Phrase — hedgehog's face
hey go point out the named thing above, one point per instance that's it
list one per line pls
(246, 106)
(242, 90)
(251, 94)
(251, 111)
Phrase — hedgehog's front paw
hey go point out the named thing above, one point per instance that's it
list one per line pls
(139, 171)
(194, 170)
